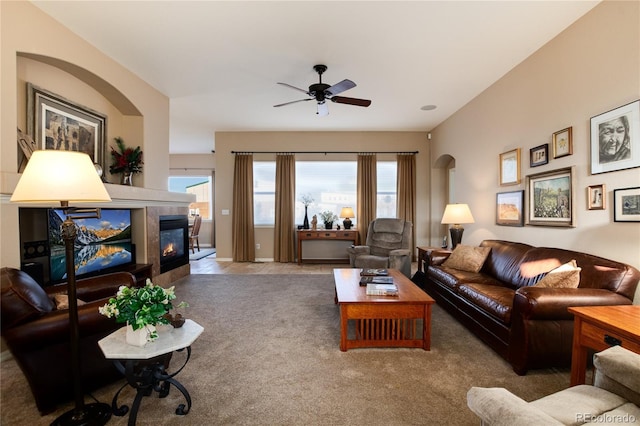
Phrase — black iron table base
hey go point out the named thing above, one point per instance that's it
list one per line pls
(148, 376)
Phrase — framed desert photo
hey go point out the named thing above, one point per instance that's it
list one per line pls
(597, 197)
(615, 139)
(510, 167)
(57, 123)
(562, 142)
(510, 208)
(551, 198)
(539, 155)
(626, 205)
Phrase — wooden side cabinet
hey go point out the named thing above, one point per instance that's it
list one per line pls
(326, 235)
(598, 328)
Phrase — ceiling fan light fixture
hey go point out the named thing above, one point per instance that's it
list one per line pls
(323, 109)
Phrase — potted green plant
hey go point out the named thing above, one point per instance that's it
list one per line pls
(141, 308)
(328, 217)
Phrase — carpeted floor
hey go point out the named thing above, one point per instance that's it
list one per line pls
(269, 355)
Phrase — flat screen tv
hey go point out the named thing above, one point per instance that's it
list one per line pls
(102, 245)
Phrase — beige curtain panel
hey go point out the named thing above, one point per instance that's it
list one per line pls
(284, 232)
(406, 191)
(367, 190)
(242, 219)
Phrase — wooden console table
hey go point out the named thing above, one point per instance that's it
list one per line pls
(600, 327)
(325, 235)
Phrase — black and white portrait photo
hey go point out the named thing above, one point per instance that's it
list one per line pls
(615, 139)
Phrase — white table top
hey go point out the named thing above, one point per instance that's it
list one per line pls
(114, 345)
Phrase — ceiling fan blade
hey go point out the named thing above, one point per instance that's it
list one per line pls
(340, 87)
(351, 101)
(323, 109)
(295, 88)
(292, 102)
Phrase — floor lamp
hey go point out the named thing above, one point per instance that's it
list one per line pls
(67, 177)
(456, 214)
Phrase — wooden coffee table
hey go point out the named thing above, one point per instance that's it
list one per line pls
(382, 321)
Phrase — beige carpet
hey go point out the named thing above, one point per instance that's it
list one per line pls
(269, 355)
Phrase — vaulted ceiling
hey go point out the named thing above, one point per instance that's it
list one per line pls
(219, 62)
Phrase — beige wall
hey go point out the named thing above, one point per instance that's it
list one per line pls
(38, 49)
(590, 68)
(310, 141)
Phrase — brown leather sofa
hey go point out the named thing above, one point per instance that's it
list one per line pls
(527, 325)
(37, 333)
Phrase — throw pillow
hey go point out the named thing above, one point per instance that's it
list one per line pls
(564, 276)
(62, 301)
(467, 258)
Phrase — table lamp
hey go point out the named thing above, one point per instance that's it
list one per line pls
(456, 214)
(347, 214)
(67, 177)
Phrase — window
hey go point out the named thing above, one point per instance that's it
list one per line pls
(199, 185)
(331, 184)
(264, 193)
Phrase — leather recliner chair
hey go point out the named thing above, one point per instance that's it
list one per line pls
(38, 334)
(388, 245)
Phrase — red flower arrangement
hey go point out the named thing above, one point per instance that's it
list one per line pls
(128, 160)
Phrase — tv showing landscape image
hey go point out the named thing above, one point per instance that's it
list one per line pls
(101, 243)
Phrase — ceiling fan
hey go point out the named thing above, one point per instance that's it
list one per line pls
(321, 92)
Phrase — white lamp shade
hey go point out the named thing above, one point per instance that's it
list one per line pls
(54, 176)
(347, 212)
(457, 214)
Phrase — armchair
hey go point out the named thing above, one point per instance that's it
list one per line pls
(37, 334)
(388, 245)
(614, 397)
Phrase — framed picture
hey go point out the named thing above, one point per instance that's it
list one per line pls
(615, 139)
(551, 198)
(539, 155)
(562, 142)
(626, 205)
(510, 208)
(510, 167)
(597, 197)
(57, 123)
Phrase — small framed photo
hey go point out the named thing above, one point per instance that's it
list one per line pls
(626, 205)
(551, 198)
(510, 208)
(563, 142)
(510, 167)
(597, 197)
(539, 155)
(615, 139)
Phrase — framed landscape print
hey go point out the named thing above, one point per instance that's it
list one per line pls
(563, 143)
(539, 155)
(597, 197)
(615, 139)
(510, 167)
(510, 208)
(551, 198)
(57, 123)
(626, 205)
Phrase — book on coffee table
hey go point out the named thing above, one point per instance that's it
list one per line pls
(375, 280)
(374, 272)
(382, 289)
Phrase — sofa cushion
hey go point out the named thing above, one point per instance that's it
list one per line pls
(467, 258)
(496, 301)
(573, 405)
(505, 260)
(564, 276)
(22, 298)
(62, 301)
(451, 278)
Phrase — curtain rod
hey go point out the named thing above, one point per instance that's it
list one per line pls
(325, 152)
